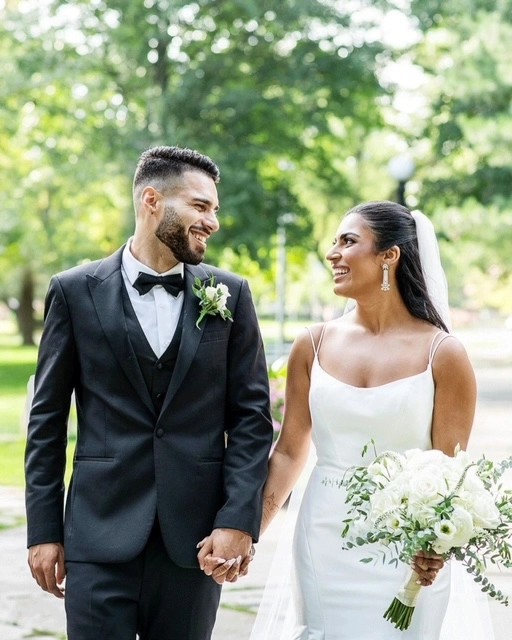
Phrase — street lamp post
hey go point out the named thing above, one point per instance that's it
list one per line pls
(401, 168)
(283, 220)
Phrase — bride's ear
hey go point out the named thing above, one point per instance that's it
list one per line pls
(392, 255)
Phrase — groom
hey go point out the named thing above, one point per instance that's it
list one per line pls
(174, 427)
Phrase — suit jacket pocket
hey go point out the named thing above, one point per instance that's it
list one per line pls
(215, 335)
(93, 459)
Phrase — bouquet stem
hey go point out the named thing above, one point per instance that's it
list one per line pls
(401, 609)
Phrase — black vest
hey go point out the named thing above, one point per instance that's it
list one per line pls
(157, 371)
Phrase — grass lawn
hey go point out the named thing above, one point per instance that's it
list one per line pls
(11, 462)
(17, 364)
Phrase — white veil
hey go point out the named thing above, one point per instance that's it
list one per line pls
(275, 619)
(431, 266)
(468, 616)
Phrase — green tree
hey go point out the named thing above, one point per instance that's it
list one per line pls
(467, 172)
(281, 95)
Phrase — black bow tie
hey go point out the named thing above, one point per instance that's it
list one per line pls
(145, 282)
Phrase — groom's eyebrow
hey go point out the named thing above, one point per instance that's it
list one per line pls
(207, 202)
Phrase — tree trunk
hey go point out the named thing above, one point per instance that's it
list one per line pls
(25, 310)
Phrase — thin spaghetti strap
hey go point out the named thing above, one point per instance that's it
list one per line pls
(435, 344)
(316, 348)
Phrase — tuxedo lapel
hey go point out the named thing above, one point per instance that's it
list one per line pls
(105, 286)
(191, 336)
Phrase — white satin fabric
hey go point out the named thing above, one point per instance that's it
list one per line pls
(335, 596)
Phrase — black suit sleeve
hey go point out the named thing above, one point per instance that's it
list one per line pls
(248, 423)
(45, 455)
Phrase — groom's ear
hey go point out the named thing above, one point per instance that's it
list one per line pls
(392, 255)
(150, 198)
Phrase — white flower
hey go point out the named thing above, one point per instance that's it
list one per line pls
(383, 502)
(210, 292)
(420, 458)
(481, 505)
(472, 482)
(424, 514)
(445, 531)
(359, 529)
(386, 467)
(455, 532)
(426, 487)
(433, 502)
(212, 299)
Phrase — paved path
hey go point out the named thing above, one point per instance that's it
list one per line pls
(26, 612)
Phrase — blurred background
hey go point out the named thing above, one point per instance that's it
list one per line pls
(308, 107)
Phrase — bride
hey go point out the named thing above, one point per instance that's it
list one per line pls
(389, 371)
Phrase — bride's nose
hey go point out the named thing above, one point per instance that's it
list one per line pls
(333, 254)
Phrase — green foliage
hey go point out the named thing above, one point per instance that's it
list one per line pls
(467, 172)
(17, 364)
(289, 98)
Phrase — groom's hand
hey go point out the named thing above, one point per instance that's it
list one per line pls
(46, 562)
(224, 553)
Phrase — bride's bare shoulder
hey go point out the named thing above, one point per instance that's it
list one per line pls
(308, 337)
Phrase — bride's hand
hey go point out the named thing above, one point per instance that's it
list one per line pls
(427, 566)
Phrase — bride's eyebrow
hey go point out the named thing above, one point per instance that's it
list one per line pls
(348, 234)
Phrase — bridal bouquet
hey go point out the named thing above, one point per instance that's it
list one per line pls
(428, 501)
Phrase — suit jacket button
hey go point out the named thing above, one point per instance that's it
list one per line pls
(159, 432)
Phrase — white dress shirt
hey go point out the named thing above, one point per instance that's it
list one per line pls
(157, 311)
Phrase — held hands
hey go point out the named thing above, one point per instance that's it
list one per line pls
(46, 562)
(427, 566)
(225, 554)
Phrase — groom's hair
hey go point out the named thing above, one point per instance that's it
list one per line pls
(160, 165)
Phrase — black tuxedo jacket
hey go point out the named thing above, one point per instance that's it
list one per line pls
(200, 463)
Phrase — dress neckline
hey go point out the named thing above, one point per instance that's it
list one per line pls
(378, 386)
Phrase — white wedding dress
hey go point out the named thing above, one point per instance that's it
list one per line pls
(339, 597)
(335, 596)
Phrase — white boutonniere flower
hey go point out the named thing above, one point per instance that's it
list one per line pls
(212, 299)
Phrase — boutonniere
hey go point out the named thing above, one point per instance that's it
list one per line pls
(212, 299)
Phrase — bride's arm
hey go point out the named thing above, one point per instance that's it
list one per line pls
(291, 450)
(454, 410)
(455, 397)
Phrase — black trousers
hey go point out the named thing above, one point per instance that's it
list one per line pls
(149, 596)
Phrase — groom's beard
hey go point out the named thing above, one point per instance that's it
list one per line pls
(171, 231)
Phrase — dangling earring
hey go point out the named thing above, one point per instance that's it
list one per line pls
(385, 278)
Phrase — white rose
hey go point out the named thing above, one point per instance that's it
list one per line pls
(419, 458)
(426, 486)
(464, 523)
(424, 514)
(211, 292)
(382, 502)
(485, 513)
(223, 295)
(358, 529)
(472, 482)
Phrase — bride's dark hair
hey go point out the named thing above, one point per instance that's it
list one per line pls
(392, 224)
